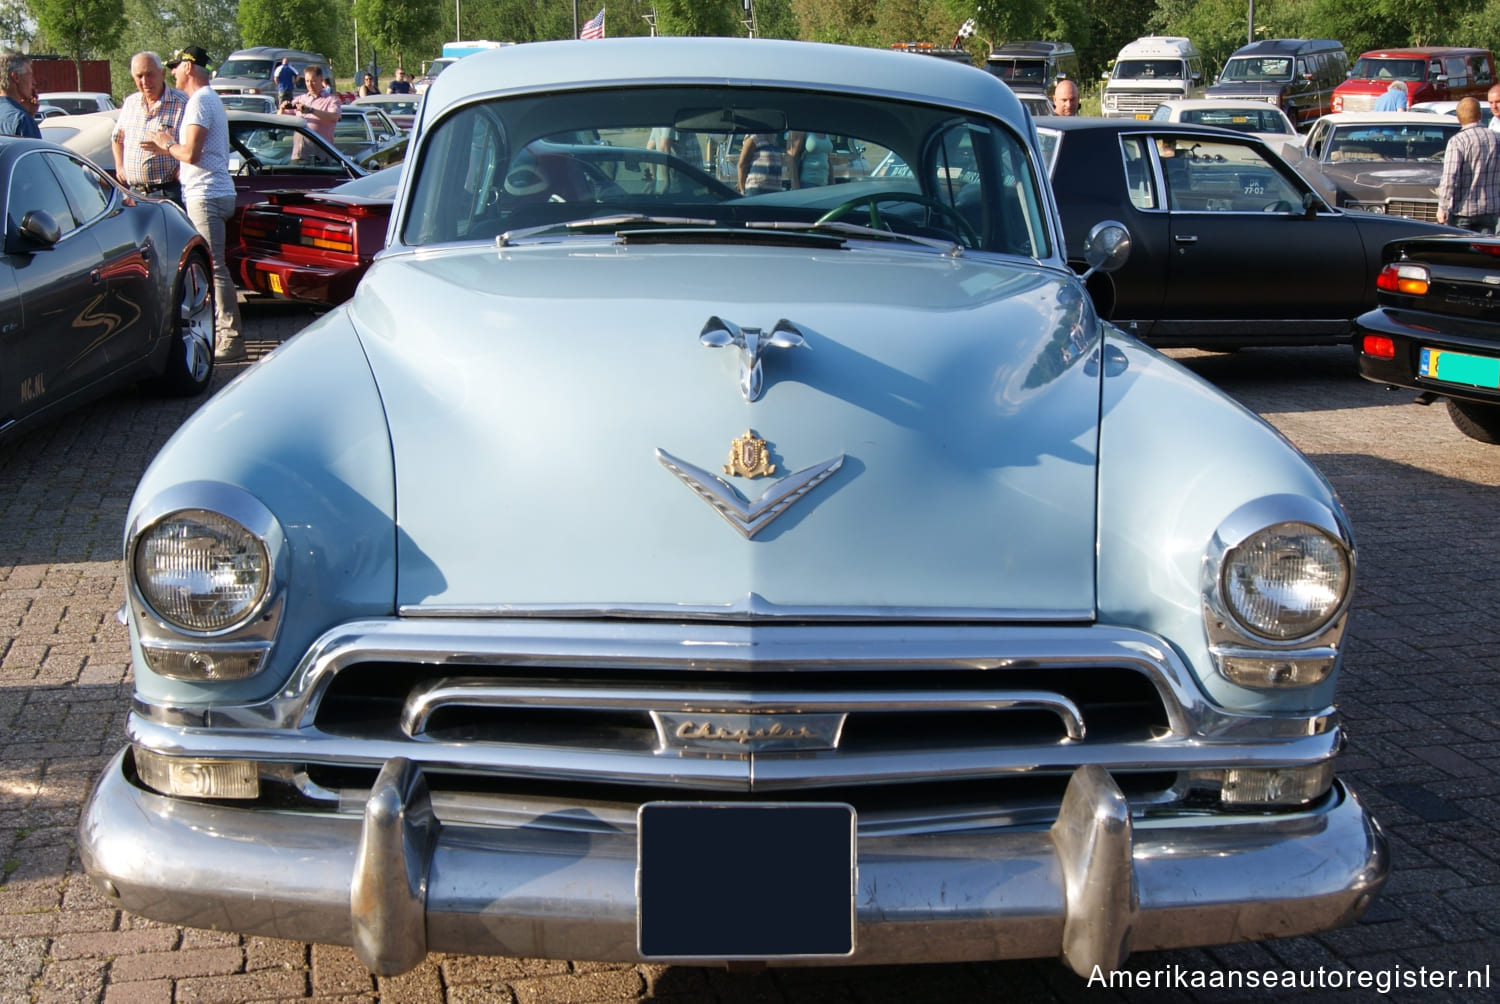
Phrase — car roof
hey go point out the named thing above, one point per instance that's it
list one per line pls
(564, 65)
(1194, 103)
(1081, 123)
(1286, 46)
(1370, 118)
(1420, 50)
(73, 94)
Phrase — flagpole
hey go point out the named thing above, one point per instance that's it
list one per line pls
(575, 20)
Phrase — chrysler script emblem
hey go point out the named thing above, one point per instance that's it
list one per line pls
(718, 333)
(748, 457)
(749, 518)
(744, 734)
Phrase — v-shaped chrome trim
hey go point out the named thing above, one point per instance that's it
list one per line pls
(749, 518)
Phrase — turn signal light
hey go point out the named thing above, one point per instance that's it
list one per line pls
(192, 778)
(327, 236)
(1412, 280)
(1378, 346)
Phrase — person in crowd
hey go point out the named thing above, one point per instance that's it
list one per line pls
(1065, 98)
(286, 80)
(1394, 98)
(368, 86)
(200, 145)
(154, 106)
(18, 100)
(1493, 98)
(1469, 194)
(399, 84)
(760, 164)
(807, 158)
(318, 105)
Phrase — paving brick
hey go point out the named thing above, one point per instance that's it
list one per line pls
(113, 943)
(580, 988)
(176, 965)
(267, 985)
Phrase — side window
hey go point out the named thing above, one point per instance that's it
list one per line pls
(1458, 71)
(1139, 180)
(88, 193)
(1217, 177)
(34, 186)
(1480, 69)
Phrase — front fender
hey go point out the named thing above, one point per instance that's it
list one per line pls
(304, 432)
(1173, 464)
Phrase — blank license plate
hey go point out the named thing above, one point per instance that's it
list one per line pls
(1459, 367)
(744, 881)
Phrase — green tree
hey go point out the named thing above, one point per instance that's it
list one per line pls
(849, 22)
(160, 26)
(313, 27)
(701, 17)
(79, 28)
(402, 29)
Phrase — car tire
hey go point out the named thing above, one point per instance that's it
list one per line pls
(190, 357)
(1477, 421)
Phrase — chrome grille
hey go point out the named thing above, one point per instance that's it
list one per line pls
(1142, 102)
(1416, 209)
(1359, 102)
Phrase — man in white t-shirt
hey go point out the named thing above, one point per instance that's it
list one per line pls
(202, 150)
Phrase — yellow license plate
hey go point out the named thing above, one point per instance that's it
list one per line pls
(275, 282)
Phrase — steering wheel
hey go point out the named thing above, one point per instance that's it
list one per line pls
(967, 236)
(1279, 206)
(251, 166)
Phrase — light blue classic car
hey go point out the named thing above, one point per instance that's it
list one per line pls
(644, 565)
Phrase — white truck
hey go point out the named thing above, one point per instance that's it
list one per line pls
(1149, 71)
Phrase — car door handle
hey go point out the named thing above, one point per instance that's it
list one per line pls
(1185, 238)
(95, 275)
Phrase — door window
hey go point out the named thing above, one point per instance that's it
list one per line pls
(88, 193)
(1211, 176)
(34, 186)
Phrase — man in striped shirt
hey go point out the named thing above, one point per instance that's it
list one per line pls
(1469, 194)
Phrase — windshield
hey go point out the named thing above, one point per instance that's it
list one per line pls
(1387, 142)
(1150, 69)
(1368, 68)
(727, 157)
(258, 68)
(1023, 72)
(1257, 69)
(1267, 119)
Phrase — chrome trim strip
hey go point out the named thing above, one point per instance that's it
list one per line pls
(478, 692)
(749, 518)
(753, 607)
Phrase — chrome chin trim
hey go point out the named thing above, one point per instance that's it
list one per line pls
(283, 728)
(260, 624)
(1223, 629)
(752, 608)
(395, 883)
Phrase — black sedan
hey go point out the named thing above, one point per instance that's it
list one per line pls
(98, 288)
(1230, 245)
(1437, 328)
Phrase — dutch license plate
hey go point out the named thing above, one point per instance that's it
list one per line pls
(274, 281)
(1459, 367)
(748, 881)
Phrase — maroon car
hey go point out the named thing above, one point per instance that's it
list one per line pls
(313, 246)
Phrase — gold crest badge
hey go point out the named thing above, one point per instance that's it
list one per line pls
(748, 457)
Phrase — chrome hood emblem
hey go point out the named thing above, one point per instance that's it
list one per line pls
(749, 457)
(741, 735)
(719, 333)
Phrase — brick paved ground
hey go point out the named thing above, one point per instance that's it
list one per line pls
(1420, 698)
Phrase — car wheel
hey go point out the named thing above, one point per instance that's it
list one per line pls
(1477, 421)
(190, 360)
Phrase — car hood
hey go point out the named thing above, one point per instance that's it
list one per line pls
(563, 438)
(1386, 179)
(1248, 89)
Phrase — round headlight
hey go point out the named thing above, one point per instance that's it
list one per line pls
(1286, 581)
(201, 571)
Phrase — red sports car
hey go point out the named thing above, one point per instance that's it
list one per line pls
(313, 246)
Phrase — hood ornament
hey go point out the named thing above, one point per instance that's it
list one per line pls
(749, 457)
(718, 333)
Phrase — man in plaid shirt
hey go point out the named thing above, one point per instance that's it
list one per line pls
(1469, 195)
(138, 163)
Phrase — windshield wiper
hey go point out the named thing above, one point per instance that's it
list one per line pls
(950, 248)
(606, 222)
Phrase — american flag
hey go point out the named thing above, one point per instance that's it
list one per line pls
(594, 28)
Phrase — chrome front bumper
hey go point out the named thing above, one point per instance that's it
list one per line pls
(396, 883)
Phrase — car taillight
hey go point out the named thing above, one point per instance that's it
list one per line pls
(1378, 346)
(1403, 278)
(327, 236)
(256, 227)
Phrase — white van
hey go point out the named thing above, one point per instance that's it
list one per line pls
(1149, 71)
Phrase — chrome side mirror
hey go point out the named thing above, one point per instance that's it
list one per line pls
(1106, 248)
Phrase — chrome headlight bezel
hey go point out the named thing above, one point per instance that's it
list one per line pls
(257, 622)
(1246, 653)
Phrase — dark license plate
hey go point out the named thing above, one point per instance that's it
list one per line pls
(745, 881)
(1459, 367)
